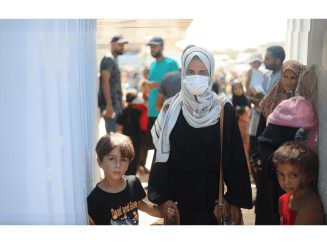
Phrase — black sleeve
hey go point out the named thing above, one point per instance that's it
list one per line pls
(140, 191)
(158, 190)
(107, 64)
(261, 127)
(236, 173)
(269, 141)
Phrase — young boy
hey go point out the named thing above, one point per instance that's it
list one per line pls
(297, 167)
(116, 199)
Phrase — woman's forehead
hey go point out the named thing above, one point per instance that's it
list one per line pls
(196, 64)
(289, 71)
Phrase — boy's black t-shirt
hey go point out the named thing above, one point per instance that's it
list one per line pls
(116, 208)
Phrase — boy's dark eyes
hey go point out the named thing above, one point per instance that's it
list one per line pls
(113, 159)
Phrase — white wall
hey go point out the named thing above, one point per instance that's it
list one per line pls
(317, 54)
(48, 125)
(296, 45)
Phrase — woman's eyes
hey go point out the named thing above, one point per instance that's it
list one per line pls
(201, 74)
(292, 78)
(293, 175)
(279, 175)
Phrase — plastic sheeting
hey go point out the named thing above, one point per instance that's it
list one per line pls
(48, 120)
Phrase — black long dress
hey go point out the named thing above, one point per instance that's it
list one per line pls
(191, 174)
(268, 190)
(131, 128)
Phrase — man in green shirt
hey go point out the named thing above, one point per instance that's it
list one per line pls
(158, 69)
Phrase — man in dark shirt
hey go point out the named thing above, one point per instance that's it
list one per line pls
(110, 92)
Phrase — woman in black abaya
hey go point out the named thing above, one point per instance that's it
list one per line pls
(187, 138)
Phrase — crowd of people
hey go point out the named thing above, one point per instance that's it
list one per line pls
(269, 137)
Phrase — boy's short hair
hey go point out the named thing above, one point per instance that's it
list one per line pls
(277, 52)
(108, 142)
(295, 153)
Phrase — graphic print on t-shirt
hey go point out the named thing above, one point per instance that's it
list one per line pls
(119, 216)
(120, 208)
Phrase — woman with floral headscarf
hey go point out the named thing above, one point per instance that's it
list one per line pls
(270, 138)
(187, 138)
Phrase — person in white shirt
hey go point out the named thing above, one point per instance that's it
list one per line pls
(254, 76)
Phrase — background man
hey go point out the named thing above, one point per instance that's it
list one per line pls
(110, 92)
(158, 69)
(170, 85)
(273, 61)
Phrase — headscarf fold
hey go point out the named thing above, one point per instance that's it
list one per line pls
(277, 94)
(199, 111)
(308, 86)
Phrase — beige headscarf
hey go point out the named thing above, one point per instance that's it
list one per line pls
(199, 111)
(277, 94)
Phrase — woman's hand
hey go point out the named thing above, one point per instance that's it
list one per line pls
(256, 166)
(169, 204)
(169, 209)
(233, 213)
(170, 213)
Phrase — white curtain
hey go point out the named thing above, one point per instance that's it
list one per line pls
(48, 120)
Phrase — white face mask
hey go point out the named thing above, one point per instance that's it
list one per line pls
(196, 84)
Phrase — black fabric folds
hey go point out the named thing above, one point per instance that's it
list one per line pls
(191, 174)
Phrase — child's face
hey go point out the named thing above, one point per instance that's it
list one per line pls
(113, 164)
(237, 89)
(289, 178)
(255, 64)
